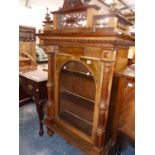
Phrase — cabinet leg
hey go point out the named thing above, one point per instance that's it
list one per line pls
(50, 132)
(40, 111)
(41, 132)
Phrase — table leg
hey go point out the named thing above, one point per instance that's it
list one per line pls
(40, 110)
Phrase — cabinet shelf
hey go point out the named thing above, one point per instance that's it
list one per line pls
(77, 122)
(71, 94)
(76, 110)
(78, 73)
(76, 79)
(78, 117)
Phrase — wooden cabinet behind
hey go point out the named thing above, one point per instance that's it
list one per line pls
(121, 122)
(27, 41)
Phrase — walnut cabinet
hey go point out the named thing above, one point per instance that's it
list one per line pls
(82, 59)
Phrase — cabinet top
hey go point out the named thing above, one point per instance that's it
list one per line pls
(86, 37)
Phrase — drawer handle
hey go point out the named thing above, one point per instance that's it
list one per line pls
(30, 87)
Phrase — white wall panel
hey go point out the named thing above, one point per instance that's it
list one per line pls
(35, 15)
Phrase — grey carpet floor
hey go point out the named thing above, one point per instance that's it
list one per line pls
(30, 143)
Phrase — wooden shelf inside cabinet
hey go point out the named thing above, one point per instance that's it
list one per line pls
(81, 99)
(77, 122)
(78, 73)
(75, 107)
(83, 82)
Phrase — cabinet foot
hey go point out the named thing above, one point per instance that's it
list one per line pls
(50, 132)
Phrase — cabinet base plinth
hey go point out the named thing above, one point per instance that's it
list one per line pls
(71, 138)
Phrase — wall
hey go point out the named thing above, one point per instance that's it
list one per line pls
(35, 15)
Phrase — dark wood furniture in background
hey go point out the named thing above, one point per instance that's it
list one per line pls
(27, 41)
(122, 111)
(33, 86)
(84, 50)
(27, 59)
(124, 144)
(26, 62)
(27, 33)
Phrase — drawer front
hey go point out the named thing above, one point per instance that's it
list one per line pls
(28, 85)
(36, 89)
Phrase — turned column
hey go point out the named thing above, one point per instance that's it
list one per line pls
(103, 106)
(51, 51)
(50, 86)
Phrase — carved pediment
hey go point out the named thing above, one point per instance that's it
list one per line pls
(74, 6)
(70, 4)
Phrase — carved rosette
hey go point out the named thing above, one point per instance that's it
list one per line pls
(50, 49)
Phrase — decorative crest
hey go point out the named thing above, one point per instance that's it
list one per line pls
(47, 17)
(69, 4)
